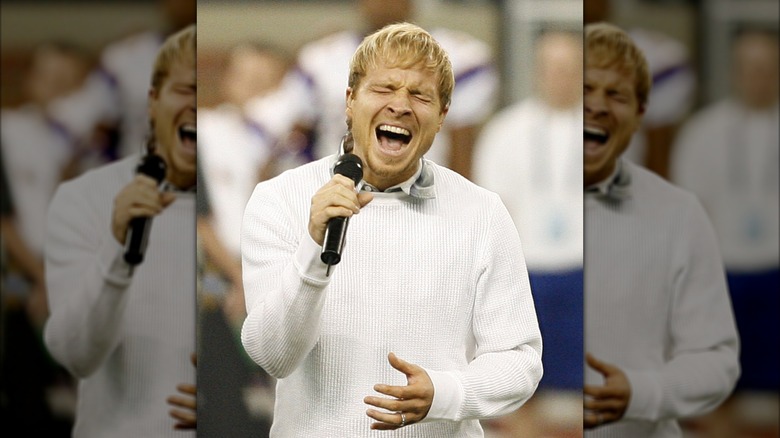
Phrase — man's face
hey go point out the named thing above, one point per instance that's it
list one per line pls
(395, 114)
(612, 115)
(172, 111)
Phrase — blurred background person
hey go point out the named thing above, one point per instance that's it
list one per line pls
(38, 151)
(247, 138)
(530, 153)
(244, 140)
(38, 154)
(37, 395)
(674, 89)
(324, 65)
(86, 31)
(110, 110)
(728, 154)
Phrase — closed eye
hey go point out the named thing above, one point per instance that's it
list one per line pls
(382, 90)
(185, 89)
(618, 96)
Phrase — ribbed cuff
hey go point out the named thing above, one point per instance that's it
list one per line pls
(112, 263)
(308, 262)
(645, 402)
(447, 396)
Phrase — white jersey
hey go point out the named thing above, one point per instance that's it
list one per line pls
(35, 150)
(325, 65)
(231, 149)
(531, 155)
(727, 155)
(235, 146)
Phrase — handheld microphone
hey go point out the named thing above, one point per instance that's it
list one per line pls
(351, 166)
(138, 231)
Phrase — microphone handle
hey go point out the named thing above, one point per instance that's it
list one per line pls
(334, 240)
(137, 238)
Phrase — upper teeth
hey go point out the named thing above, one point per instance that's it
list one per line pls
(394, 129)
(189, 128)
(596, 131)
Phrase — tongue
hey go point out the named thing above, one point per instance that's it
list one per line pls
(591, 146)
(390, 144)
(188, 144)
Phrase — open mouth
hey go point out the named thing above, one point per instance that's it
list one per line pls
(596, 135)
(392, 139)
(188, 135)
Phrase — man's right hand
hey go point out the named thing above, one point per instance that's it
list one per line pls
(606, 403)
(140, 198)
(337, 198)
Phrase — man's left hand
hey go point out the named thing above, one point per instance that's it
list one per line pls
(410, 403)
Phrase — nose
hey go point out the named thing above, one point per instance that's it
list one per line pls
(595, 103)
(399, 104)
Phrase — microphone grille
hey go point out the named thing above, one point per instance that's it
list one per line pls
(152, 166)
(351, 166)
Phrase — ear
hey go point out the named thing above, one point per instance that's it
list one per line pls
(151, 104)
(350, 98)
(442, 116)
(640, 113)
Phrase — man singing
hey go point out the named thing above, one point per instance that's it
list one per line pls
(427, 324)
(128, 333)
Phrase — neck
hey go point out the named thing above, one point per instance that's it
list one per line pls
(383, 184)
(181, 181)
(591, 179)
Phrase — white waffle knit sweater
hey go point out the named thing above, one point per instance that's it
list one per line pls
(128, 338)
(656, 303)
(441, 282)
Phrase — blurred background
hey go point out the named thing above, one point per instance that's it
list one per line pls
(75, 79)
(266, 70)
(711, 127)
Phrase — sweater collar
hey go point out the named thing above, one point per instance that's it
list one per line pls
(616, 187)
(420, 185)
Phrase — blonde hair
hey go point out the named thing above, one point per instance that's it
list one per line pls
(178, 47)
(403, 45)
(608, 46)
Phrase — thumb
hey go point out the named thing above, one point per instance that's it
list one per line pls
(167, 198)
(364, 198)
(598, 365)
(401, 365)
